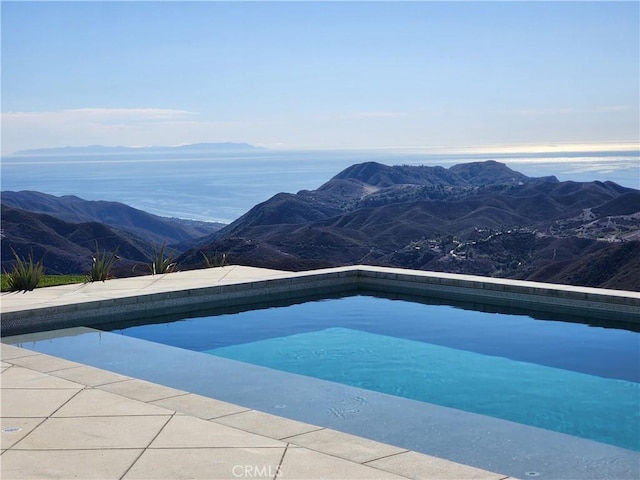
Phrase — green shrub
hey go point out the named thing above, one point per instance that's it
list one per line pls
(160, 263)
(102, 265)
(25, 275)
(214, 260)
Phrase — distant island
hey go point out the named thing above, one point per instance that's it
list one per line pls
(225, 147)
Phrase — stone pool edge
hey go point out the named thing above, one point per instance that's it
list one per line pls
(99, 303)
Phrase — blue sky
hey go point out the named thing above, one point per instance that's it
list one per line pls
(320, 74)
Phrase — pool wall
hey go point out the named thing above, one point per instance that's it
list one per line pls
(174, 297)
(546, 297)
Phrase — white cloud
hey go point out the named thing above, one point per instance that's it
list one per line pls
(110, 127)
(155, 126)
(615, 108)
(99, 114)
(537, 148)
(541, 130)
(546, 111)
(376, 114)
(573, 111)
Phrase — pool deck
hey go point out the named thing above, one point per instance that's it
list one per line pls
(122, 288)
(62, 419)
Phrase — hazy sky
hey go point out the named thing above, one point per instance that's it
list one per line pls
(319, 74)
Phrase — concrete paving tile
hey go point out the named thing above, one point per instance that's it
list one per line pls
(206, 464)
(9, 352)
(199, 406)
(25, 402)
(141, 390)
(343, 445)
(15, 429)
(89, 375)
(5, 364)
(43, 363)
(419, 466)
(304, 464)
(244, 274)
(20, 377)
(266, 424)
(188, 279)
(66, 464)
(93, 432)
(97, 403)
(191, 432)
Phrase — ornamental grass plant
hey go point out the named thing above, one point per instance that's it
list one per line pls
(214, 260)
(25, 274)
(161, 263)
(102, 265)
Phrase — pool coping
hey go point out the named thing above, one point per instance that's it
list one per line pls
(234, 286)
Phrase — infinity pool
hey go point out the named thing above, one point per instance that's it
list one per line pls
(562, 376)
(506, 391)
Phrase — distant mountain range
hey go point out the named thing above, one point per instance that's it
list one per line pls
(226, 147)
(478, 218)
(64, 231)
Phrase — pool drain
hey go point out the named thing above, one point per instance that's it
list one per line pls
(532, 474)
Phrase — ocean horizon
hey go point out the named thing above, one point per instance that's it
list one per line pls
(222, 187)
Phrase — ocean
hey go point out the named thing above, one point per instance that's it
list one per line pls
(222, 187)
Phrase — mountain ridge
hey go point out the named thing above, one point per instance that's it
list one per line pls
(481, 218)
(73, 209)
(64, 247)
(478, 218)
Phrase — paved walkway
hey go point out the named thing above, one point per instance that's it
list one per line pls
(62, 419)
(133, 286)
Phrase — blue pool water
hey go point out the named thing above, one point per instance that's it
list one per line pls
(562, 376)
(588, 406)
